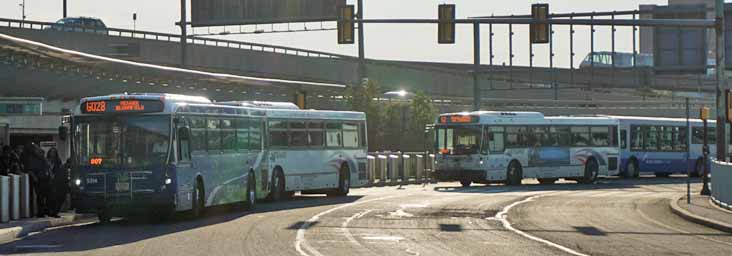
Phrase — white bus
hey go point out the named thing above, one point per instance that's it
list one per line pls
(166, 153)
(487, 147)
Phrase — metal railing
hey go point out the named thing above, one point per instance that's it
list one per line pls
(722, 184)
(145, 35)
(400, 168)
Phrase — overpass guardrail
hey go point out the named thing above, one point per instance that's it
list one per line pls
(145, 35)
(722, 184)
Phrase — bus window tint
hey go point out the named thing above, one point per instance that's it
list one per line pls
(334, 138)
(278, 134)
(580, 136)
(213, 133)
(298, 134)
(198, 133)
(228, 134)
(242, 134)
(623, 139)
(600, 136)
(651, 138)
(512, 136)
(562, 135)
(495, 139)
(255, 134)
(316, 134)
(698, 135)
(362, 135)
(467, 140)
(636, 138)
(679, 137)
(666, 143)
(350, 135)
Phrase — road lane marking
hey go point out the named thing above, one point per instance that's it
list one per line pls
(679, 230)
(503, 217)
(344, 225)
(301, 244)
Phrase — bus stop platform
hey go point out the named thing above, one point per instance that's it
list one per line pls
(13, 230)
(702, 211)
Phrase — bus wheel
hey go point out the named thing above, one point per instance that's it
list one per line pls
(514, 174)
(547, 181)
(631, 170)
(278, 186)
(465, 183)
(104, 217)
(344, 181)
(251, 192)
(698, 169)
(591, 172)
(198, 200)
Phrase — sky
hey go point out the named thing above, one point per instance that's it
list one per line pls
(395, 42)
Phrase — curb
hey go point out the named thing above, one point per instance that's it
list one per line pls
(13, 233)
(683, 213)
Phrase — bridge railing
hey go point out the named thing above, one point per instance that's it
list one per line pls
(722, 184)
(145, 35)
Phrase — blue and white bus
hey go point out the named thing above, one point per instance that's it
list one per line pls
(659, 145)
(169, 153)
(487, 147)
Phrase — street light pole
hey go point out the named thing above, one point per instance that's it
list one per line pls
(22, 9)
(65, 9)
(183, 32)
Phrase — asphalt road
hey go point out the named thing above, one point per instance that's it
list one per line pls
(614, 217)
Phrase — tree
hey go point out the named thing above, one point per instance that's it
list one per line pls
(364, 99)
(423, 112)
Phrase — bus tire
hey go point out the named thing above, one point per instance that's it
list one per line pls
(344, 181)
(698, 168)
(251, 202)
(278, 186)
(592, 170)
(631, 170)
(198, 201)
(547, 181)
(514, 174)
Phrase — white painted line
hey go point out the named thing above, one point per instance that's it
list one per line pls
(344, 225)
(502, 216)
(301, 244)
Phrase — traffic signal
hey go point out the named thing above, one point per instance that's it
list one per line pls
(446, 25)
(346, 25)
(540, 32)
(704, 113)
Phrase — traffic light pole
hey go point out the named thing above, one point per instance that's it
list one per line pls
(476, 66)
(721, 99)
(362, 72)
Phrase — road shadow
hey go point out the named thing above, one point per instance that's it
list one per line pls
(602, 184)
(90, 236)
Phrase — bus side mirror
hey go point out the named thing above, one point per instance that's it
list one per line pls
(184, 133)
(63, 133)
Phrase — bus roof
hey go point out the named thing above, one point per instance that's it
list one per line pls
(315, 114)
(496, 117)
(166, 97)
(262, 104)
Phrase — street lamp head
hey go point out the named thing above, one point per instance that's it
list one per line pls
(402, 93)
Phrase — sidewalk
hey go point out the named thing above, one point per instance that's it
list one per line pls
(702, 211)
(20, 228)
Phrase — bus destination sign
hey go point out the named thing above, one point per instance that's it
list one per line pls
(458, 119)
(121, 106)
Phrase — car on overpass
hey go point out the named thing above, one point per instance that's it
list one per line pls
(80, 24)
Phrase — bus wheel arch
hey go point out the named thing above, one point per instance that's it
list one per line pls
(514, 173)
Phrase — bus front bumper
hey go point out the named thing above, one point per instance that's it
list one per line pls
(459, 175)
(123, 204)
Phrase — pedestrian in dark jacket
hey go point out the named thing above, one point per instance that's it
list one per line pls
(40, 172)
(59, 182)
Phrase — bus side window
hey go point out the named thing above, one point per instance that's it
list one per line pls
(496, 138)
(184, 144)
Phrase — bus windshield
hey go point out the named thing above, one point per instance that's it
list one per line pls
(122, 141)
(462, 140)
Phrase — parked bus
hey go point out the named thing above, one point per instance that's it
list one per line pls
(169, 153)
(486, 147)
(659, 145)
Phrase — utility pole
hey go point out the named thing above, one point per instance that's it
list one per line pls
(721, 99)
(362, 72)
(476, 67)
(183, 33)
(65, 9)
(22, 9)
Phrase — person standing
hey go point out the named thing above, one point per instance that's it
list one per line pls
(41, 175)
(58, 183)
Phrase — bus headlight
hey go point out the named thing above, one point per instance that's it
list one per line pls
(77, 182)
(168, 181)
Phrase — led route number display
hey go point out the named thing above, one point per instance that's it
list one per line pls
(121, 106)
(458, 119)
